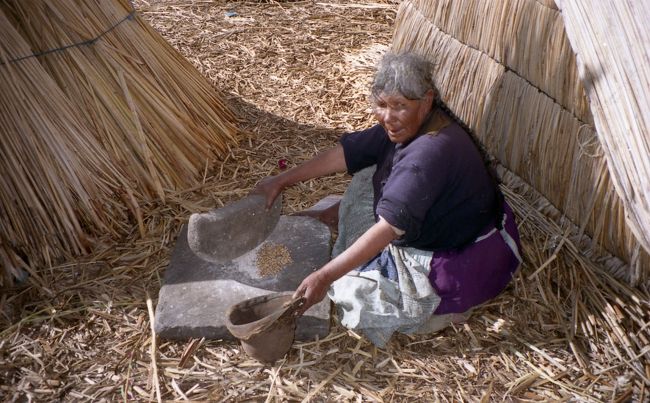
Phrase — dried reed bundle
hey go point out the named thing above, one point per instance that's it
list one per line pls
(611, 41)
(529, 131)
(526, 36)
(155, 114)
(532, 134)
(55, 177)
(106, 119)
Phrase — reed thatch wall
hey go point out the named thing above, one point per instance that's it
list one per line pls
(101, 118)
(508, 70)
(611, 42)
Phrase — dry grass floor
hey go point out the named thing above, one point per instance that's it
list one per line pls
(296, 73)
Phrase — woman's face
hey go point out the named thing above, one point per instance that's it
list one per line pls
(401, 117)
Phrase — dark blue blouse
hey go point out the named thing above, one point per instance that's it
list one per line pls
(436, 188)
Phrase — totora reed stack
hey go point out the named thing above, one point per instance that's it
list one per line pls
(100, 119)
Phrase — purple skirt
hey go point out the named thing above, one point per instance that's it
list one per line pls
(470, 276)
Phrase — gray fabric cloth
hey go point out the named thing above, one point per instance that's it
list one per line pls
(368, 302)
(356, 214)
(378, 307)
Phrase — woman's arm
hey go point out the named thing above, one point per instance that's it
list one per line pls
(326, 163)
(315, 286)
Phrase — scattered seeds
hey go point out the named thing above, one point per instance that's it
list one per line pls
(272, 258)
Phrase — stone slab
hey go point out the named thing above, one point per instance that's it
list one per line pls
(196, 293)
(226, 233)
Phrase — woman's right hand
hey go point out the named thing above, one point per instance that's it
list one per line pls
(313, 289)
(270, 187)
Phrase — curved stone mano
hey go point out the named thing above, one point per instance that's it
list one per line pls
(226, 233)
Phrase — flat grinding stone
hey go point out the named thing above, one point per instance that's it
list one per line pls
(197, 293)
(226, 233)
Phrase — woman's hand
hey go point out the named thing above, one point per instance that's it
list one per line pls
(315, 286)
(270, 187)
(313, 289)
(325, 163)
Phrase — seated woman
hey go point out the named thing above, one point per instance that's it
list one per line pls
(442, 240)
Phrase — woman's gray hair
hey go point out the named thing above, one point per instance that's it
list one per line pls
(407, 74)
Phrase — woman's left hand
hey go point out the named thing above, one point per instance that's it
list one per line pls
(313, 289)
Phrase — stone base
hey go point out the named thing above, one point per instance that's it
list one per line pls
(196, 293)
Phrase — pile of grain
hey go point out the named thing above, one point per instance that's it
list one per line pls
(272, 258)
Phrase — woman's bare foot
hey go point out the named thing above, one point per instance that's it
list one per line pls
(328, 216)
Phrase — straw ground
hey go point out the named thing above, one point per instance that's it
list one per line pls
(297, 73)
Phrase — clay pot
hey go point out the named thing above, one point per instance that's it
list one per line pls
(265, 325)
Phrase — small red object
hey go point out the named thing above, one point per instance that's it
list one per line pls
(282, 164)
